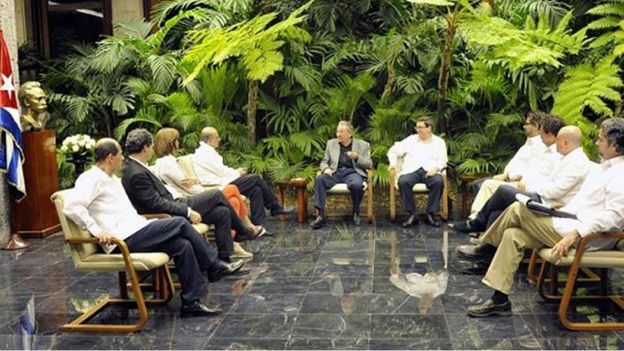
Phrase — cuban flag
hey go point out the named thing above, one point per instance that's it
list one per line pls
(11, 146)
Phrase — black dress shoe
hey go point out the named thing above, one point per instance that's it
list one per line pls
(281, 211)
(475, 268)
(197, 308)
(412, 220)
(490, 308)
(430, 220)
(469, 226)
(483, 252)
(356, 219)
(318, 222)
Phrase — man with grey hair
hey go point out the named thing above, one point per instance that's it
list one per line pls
(211, 170)
(149, 194)
(346, 160)
(598, 207)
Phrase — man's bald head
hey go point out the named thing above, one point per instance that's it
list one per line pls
(568, 139)
(105, 147)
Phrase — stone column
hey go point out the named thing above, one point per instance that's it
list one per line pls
(8, 26)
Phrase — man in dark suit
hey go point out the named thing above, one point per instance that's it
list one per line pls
(346, 160)
(150, 195)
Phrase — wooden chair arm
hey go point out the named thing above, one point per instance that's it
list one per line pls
(125, 253)
(156, 215)
(584, 242)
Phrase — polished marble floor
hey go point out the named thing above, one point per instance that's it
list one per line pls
(375, 286)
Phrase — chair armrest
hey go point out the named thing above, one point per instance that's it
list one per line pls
(120, 243)
(123, 248)
(156, 215)
(584, 242)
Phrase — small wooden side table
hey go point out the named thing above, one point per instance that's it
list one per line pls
(299, 184)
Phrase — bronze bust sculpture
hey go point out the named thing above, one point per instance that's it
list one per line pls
(34, 106)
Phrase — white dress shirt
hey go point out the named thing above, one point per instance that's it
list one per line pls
(98, 203)
(167, 169)
(209, 167)
(525, 159)
(599, 204)
(419, 153)
(565, 179)
(545, 164)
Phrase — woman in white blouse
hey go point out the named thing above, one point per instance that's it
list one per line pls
(166, 143)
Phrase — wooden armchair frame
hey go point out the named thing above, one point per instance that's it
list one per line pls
(581, 259)
(368, 195)
(418, 189)
(87, 256)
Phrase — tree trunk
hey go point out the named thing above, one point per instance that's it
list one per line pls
(389, 84)
(252, 108)
(445, 65)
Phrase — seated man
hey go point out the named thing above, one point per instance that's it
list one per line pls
(523, 162)
(554, 189)
(598, 206)
(150, 195)
(99, 205)
(346, 160)
(424, 159)
(209, 168)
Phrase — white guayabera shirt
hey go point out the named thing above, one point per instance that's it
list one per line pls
(99, 203)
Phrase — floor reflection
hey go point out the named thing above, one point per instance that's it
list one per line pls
(376, 286)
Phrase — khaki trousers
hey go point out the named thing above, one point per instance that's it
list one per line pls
(515, 230)
(487, 189)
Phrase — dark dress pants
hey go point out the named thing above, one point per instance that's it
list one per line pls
(216, 210)
(434, 185)
(354, 181)
(191, 253)
(259, 194)
(502, 198)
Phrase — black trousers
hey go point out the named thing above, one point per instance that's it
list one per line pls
(191, 253)
(502, 198)
(355, 184)
(434, 184)
(215, 209)
(259, 194)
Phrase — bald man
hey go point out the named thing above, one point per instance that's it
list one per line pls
(210, 170)
(555, 189)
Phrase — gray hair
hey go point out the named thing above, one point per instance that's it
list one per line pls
(105, 147)
(613, 131)
(207, 133)
(347, 125)
(137, 140)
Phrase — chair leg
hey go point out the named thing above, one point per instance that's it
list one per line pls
(393, 215)
(80, 323)
(531, 269)
(371, 213)
(445, 202)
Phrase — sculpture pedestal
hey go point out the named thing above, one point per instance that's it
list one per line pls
(35, 215)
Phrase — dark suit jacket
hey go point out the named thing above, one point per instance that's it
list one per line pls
(148, 193)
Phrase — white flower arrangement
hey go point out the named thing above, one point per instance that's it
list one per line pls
(79, 144)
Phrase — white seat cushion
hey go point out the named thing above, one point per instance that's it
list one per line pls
(418, 188)
(595, 259)
(114, 262)
(341, 188)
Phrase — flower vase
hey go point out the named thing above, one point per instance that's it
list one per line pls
(79, 162)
